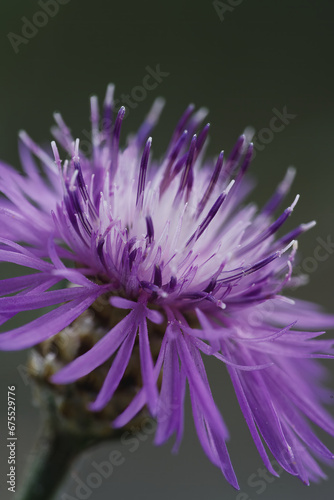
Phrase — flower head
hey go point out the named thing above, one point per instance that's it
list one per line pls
(172, 243)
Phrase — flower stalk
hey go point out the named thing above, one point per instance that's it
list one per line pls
(53, 454)
(55, 449)
(68, 427)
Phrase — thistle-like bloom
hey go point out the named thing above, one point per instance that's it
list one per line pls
(171, 243)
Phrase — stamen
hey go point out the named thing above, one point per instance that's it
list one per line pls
(150, 121)
(197, 119)
(73, 197)
(38, 151)
(65, 132)
(150, 229)
(181, 125)
(186, 175)
(179, 165)
(210, 286)
(56, 155)
(293, 244)
(244, 167)
(73, 180)
(251, 269)
(247, 159)
(302, 228)
(167, 178)
(76, 150)
(233, 159)
(211, 185)
(78, 171)
(81, 183)
(65, 169)
(142, 173)
(178, 146)
(100, 252)
(157, 276)
(212, 212)
(281, 191)
(273, 228)
(94, 114)
(132, 257)
(115, 139)
(201, 140)
(108, 110)
(172, 283)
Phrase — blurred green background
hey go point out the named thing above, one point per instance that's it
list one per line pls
(253, 58)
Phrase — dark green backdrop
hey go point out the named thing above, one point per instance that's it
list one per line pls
(262, 56)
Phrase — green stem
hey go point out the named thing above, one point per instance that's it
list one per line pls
(56, 448)
(51, 460)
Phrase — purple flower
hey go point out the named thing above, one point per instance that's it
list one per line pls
(173, 242)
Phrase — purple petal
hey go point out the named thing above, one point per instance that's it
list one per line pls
(140, 399)
(98, 354)
(46, 326)
(24, 260)
(200, 387)
(171, 400)
(37, 300)
(115, 373)
(13, 285)
(146, 363)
